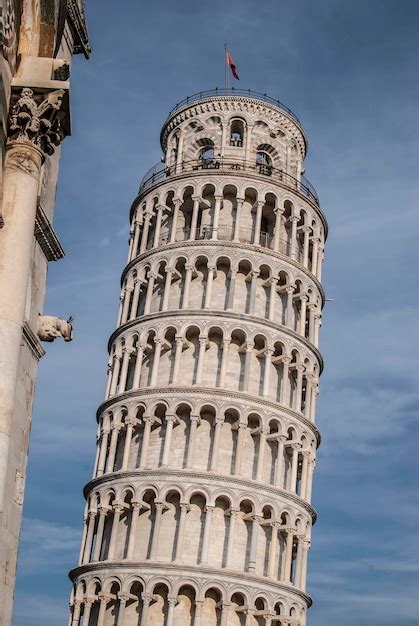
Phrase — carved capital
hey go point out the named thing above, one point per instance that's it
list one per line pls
(38, 119)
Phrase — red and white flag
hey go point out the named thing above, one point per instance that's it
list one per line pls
(232, 65)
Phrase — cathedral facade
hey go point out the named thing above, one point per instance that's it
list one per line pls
(199, 509)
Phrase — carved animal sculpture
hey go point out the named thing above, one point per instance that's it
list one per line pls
(50, 327)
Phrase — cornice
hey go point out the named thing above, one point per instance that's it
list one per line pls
(211, 243)
(46, 237)
(207, 392)
(199, 478)
(209, 314)
(182, 570)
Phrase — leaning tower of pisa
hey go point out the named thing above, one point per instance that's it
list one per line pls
(199, 510)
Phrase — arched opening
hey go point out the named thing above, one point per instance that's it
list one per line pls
(237, 133)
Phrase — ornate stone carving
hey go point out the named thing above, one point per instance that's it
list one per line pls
(50, 327)
(38, 119)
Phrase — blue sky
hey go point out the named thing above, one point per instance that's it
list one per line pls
(349, 70)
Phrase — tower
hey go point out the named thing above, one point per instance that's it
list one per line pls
(199, 510)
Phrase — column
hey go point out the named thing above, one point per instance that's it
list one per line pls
(309, 394)
(279, 460)
(109, 378)
(313, 402)
(144, 235)
(91, 520)
(224, 362)
(253, 544)
(150, 286)
(249, 348)
(277, 229)
(195, 212)
(127, 300)
(86, 611)
(239, 451)
(288, 313)
(293, 243)
(252, 299)
(200, 368)
(239, 205)
(267, 372)
(156, 361)
(179, 155)
(320, 259)
(286, 574)
(115, 373)
(231, 289)
(167, 285)
(20, 193)
(123, 599)
(118, 509)
(303, 314)
(248, 144)
(98, 436)
(158, 226)
(224, 614)
(219, 421)
(124, 369)
(273, 550)
(304, 470)
(272, 294)
(184, 507)
(198, 612)
(178, 354)
(135, 511)
(261, 454)
(103, 511)
(194, 420)
(134, 246)
(135, 299)
(112, 449)
(294, 466)
(310, 470)
(148, 420)
(156, 530)
(127, 444)
(138, 366)
(314, 255)
(103, 450)
(207, 533)
(231, 536)
(102, 609)
(170, 420)
(317, 324)
(224, 126)
(311, 319)
(299, 562)
(187, 287)
(177, 202)
(298, 387)
(144, 612)
(76, 613)
(303, 579)
(285, 394)
(210, 278)
(216, 219)
(256, 237)
(306, 244)
(170, 612)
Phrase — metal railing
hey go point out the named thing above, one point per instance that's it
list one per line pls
(226, 233)
(229, 93)
(161, 172)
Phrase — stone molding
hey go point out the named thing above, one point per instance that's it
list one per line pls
(213, 243)
(46, 237)
(247, 399)
(32, 341)
(187, 475)
(184, 571)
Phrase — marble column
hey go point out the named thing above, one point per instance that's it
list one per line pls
(258, 221)
(176, 203)
(216, 219)
(231, 537)
(170, 420)
(207, 533)
(239, 206)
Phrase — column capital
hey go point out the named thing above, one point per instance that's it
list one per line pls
(172, 601)
(290, 289)
(38, 119)
(103, 510)
(123, 597)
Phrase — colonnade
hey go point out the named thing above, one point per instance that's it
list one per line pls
(111, 603)
(220, 285)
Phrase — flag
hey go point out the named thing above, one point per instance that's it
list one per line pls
(232, 65)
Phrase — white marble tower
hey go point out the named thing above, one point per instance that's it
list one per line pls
(199, 510)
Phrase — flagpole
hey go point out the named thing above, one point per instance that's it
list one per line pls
(226, 66)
